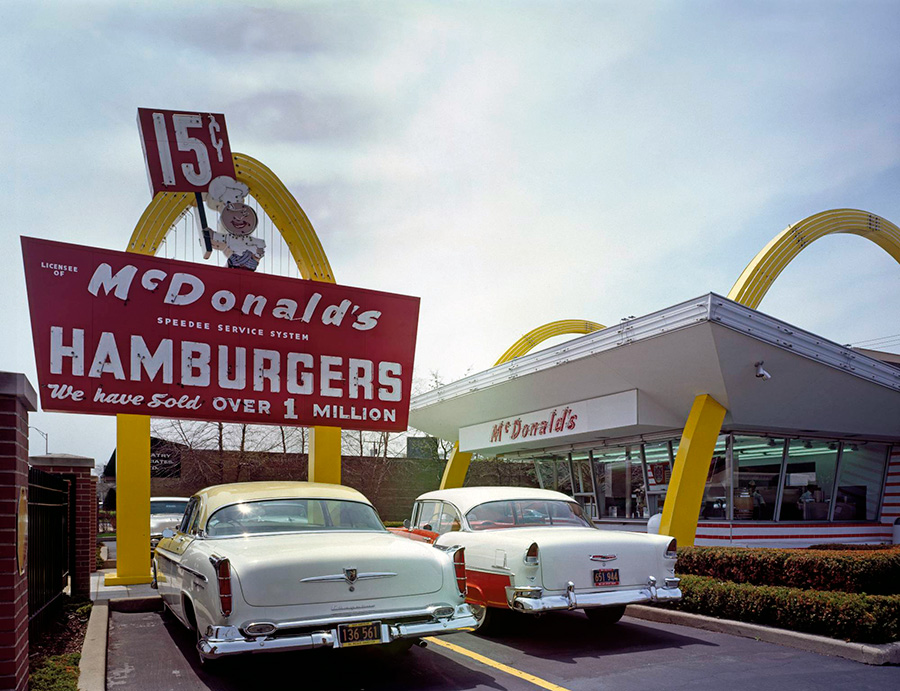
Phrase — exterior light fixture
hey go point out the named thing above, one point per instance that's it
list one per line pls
(760, 372)
(46, 439)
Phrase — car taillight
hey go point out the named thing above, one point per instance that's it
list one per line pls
(531, 556)
(459, 564)
(223, 579)
(672, 549)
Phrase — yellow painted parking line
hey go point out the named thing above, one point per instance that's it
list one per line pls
(537, 681)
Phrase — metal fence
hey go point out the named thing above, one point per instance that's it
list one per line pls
(49, 544)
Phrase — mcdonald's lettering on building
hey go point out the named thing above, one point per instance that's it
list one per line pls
(118, 332)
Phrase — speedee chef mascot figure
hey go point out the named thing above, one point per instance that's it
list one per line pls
(237, 221)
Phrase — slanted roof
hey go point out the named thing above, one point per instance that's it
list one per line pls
(657, 364)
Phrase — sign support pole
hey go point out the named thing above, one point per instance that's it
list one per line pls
(132, 501)
(207, 238)
(325, 455)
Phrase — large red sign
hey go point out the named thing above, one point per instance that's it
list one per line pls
(184, 151)
(116, 332)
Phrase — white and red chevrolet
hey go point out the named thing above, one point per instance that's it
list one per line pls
(534, 550)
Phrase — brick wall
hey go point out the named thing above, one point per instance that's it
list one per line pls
(82, 513)
(94, 518)
(391, 484)
(17, 398)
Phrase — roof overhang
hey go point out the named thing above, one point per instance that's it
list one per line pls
(646, 372)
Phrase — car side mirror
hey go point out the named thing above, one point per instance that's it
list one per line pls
(168, 532)
(406, 523)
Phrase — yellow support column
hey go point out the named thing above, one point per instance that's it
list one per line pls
(698, 442)
(456, 468)
(132, 501)
(325, 455)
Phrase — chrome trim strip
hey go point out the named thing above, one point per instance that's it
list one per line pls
(196, 574)
(573, 600)
(368, 615)
(343, 579)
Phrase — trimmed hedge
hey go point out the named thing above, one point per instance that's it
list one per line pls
(872, 572)
(852, 547)
(849, 616)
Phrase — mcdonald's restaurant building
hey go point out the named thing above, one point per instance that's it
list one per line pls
(808, 450)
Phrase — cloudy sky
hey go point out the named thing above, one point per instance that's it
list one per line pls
(511, 163)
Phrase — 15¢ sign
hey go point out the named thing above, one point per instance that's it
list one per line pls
(184, 151)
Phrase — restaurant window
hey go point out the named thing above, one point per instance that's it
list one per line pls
(859, 486)
(757, 468)
(808, 480)
(547, 471)
(658, 458)
(715, 491)
(718, 482)
(583, 493)
(620, 483)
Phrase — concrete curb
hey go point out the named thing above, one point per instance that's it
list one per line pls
(867, 653)
(92, 667)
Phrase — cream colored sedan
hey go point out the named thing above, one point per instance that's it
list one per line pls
(534, 550)
(270, 566)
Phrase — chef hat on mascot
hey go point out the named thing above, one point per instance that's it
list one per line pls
(224, 190)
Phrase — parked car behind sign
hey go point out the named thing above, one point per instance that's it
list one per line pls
(270, 566)
(165, 512)
(534, 550)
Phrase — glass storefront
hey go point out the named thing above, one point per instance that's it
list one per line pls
(751, 478)
(859, 481)
(808, 480)
(620, 482)
(757, 470)
(658, 459)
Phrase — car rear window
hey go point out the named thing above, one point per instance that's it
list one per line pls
(291, 515)
(167, 506)
(494, 515)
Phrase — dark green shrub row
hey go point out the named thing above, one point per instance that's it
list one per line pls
(872, 572)
(848, 616)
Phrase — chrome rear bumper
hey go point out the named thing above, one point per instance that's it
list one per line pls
(531, 599)
(221, 641)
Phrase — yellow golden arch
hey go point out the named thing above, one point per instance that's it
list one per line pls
(133, 431)
(761, 272)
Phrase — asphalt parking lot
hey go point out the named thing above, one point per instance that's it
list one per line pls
(558, 652)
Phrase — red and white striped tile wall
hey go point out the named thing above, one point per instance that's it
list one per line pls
(890, 510)
(752, 534)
